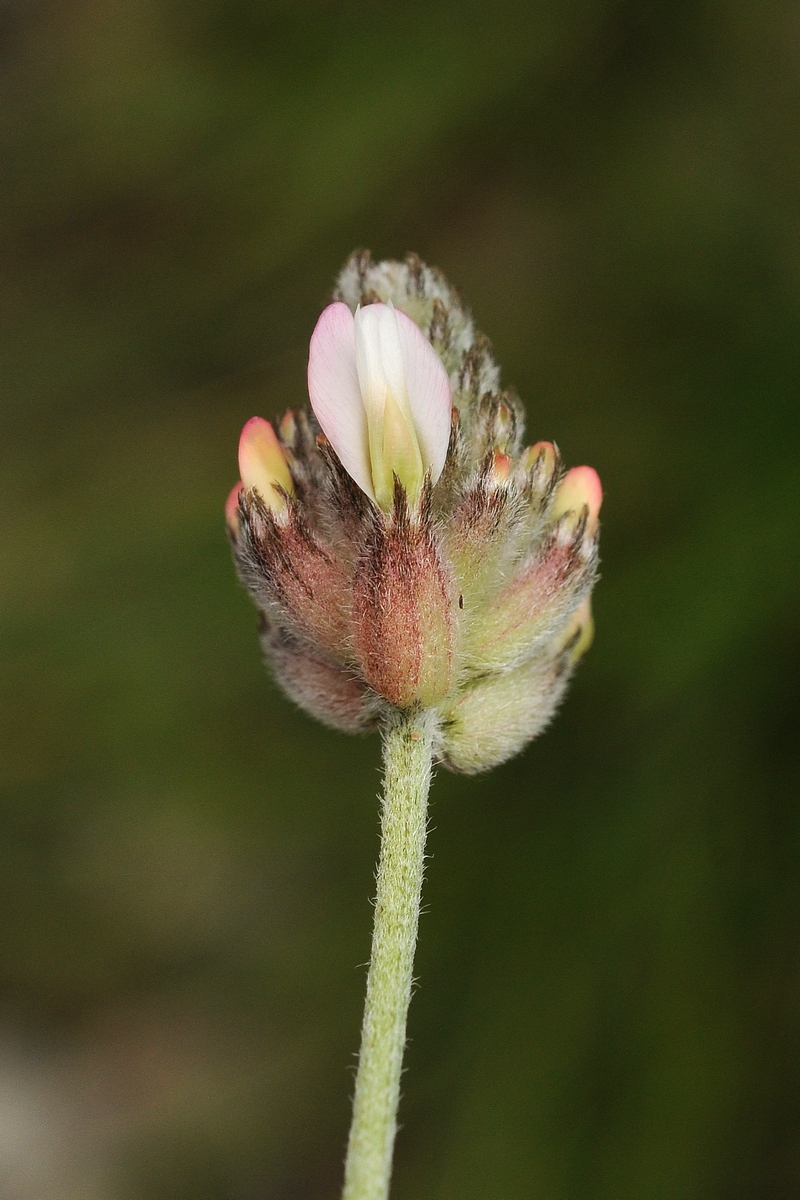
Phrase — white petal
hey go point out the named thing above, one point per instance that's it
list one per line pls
(335, 393)
(379, 359)
(393, 446)
(369, 360)
(392, 354)
(429, 394)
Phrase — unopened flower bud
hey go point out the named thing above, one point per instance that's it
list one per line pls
(500, 469)
(580, 488)
(538, 463)
(499, 714)
(496, 425)
(321, 687)
(287, 427)
(263, 466)
(503, 422)
(295, 581)
(402, 616)
(529, 609)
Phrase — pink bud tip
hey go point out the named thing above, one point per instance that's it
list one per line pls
(580, 487)
(232, 508)
(501, 467)
(262, 463)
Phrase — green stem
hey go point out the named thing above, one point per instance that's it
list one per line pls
(407, 775)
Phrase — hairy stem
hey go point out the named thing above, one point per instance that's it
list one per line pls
(407, 775)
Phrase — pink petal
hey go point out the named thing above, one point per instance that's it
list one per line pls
(429, 394)
(335, 393)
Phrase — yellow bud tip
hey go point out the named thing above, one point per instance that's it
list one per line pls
(543, 455)
(287, 428)
(580, 488)
(232, 509)
(262, 464)
(504, 419)
(582, 625)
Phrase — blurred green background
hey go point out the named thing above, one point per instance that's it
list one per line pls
(610, 963)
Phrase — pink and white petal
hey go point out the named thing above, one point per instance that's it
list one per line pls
(335, 394)
(429, 394)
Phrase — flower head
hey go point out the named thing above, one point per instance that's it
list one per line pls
(403, 547)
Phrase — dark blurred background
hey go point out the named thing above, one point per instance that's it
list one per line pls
(610, 962)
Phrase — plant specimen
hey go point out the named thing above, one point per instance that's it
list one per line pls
(419, 571)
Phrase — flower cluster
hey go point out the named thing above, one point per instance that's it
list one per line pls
(402, 546)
